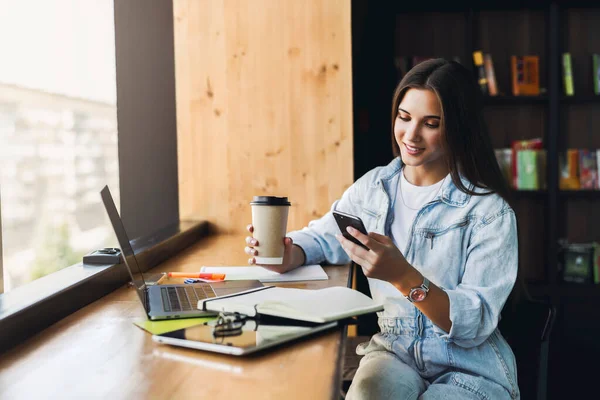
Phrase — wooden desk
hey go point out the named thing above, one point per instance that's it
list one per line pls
(97, 352)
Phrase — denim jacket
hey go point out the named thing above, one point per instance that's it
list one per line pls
(466, 245)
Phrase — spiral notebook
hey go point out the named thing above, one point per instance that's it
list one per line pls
(321, 305)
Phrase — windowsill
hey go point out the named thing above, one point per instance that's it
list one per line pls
(32, 307)
(42, 289)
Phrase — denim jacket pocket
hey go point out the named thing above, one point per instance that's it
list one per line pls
(431, 234)
(370, 219)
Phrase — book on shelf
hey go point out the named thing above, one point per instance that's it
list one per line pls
(480, 70)
(588, 169)
(322, 305)
(568, 74)
(598, 164)
(577, 262)
(568, 164)
(596, 262)
(516, 146)
(525, 74)
(531, 165)
(488, 64)
(596, 72)
(504, 159)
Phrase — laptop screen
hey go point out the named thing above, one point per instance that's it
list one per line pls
(128, 255)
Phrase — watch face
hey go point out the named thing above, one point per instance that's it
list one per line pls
(418, 295)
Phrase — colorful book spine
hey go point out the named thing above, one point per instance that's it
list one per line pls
(516, 71)
(527, 174)
(588, 169)
(479, 67)
(488, 65)
(598, 164)
(596, 72)
(567, 74)
(569, 174)
(531, 144)
(596, 262)
(525, 72)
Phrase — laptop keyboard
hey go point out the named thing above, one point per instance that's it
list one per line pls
(185, 298)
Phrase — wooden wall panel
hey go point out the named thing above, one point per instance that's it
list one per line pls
(264, 106)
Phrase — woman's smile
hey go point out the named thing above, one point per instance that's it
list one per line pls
(413, 150)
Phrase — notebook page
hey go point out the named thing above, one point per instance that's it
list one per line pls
(321, 305)
(304, 304)
(303, 273)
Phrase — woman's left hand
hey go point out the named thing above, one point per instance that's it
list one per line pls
(383, 261)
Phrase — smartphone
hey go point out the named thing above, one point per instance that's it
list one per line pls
(345, 220)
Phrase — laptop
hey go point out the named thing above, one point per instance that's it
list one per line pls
(168, 301)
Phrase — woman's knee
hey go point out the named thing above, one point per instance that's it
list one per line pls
(382, 375)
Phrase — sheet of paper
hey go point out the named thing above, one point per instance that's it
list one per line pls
(303, 273)
(160, 327)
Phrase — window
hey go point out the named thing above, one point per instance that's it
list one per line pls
(147, 183)
(58, 133)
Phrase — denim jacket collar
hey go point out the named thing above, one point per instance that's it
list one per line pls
(449, 193)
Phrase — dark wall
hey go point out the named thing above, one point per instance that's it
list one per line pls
(146, 115)
(373, 79)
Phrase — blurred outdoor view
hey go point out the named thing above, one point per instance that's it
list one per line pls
(58, 133)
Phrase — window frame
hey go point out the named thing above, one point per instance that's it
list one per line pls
(1, 252)
(148, 180)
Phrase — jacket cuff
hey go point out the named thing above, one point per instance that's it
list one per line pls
(312, 250)
(465, 314)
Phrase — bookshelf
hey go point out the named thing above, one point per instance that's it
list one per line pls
(503, 28)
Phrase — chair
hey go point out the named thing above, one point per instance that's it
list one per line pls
(526, 327)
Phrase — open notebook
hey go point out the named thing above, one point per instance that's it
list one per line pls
(322, 305)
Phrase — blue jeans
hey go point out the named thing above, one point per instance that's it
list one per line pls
(404, 363)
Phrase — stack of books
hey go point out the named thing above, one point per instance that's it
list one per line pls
(524, 164)
(525, 74)
(486, 77)
(579, 169)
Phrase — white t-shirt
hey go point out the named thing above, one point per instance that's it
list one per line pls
(409, 200)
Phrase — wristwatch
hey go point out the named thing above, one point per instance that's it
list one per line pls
(419, 293)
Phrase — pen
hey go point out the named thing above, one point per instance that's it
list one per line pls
(214, 277)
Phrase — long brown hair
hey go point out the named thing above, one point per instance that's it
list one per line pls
(469, 150)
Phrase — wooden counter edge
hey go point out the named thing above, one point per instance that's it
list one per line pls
(60, 302)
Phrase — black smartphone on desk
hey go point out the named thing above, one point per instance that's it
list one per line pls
(345, 220)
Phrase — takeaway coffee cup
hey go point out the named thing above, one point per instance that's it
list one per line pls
(269, 218)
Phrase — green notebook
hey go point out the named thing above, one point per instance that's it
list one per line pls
(527, 171)
(170, 325)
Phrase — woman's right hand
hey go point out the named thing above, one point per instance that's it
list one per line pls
(293, 256)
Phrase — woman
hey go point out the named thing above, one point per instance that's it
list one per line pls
(443, 248)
